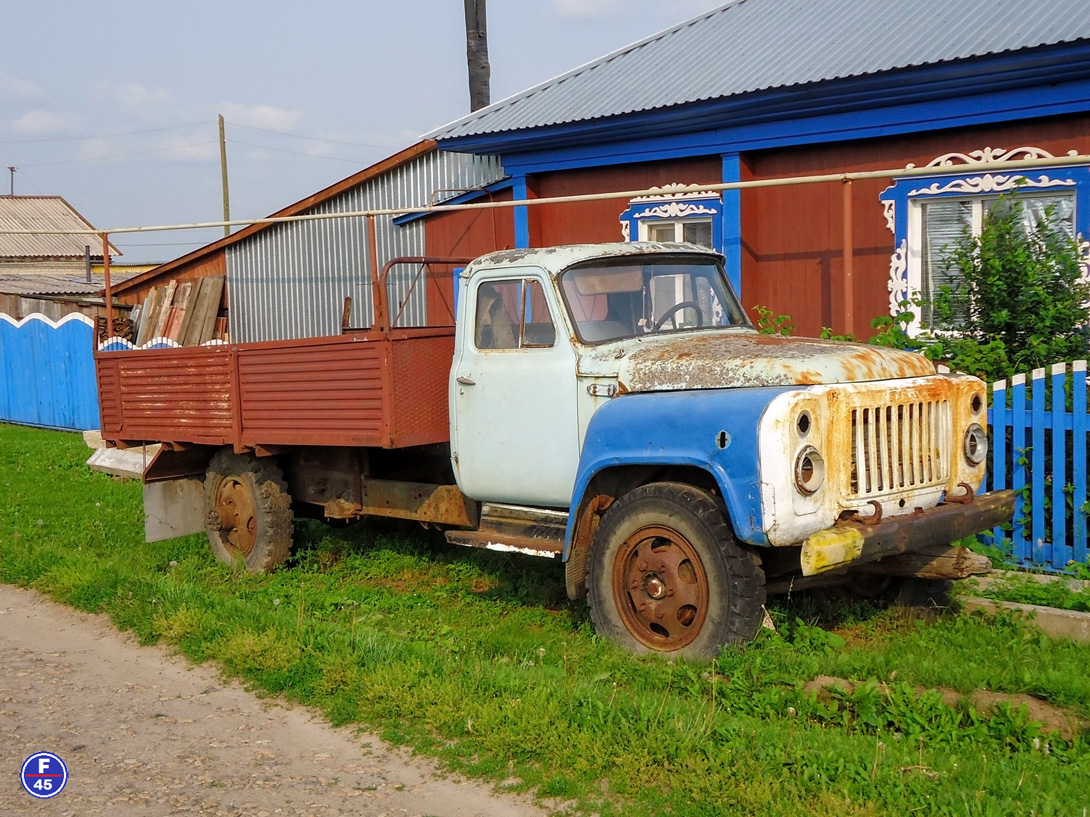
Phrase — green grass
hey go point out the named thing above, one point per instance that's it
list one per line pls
(479, 659)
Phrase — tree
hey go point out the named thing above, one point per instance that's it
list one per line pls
(1019, 298)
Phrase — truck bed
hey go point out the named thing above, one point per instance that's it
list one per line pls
(369, 389)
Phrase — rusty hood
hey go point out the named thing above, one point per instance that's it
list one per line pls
(741, 358)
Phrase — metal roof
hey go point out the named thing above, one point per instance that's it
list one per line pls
(44, 213)
(755, 45)
(30, 284)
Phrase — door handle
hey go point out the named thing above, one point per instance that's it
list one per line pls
(466, 381)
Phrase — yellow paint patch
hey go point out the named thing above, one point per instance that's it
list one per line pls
(831, 548)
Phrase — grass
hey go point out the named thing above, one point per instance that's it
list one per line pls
(479, 659)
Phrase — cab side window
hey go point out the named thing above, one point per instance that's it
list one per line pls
(512, 315)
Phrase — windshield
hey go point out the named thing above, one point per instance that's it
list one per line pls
(628, 297)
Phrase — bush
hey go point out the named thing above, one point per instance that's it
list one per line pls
(1019, 301)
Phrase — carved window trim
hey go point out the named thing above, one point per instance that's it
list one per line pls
(674, 202)
(901, 204)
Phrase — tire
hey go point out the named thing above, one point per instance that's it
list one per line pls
(665, 575)
(248, 511)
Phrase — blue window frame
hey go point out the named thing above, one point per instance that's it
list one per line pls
(926, 214)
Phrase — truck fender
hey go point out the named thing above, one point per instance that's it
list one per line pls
(637, 438)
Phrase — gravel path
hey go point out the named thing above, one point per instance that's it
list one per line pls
(144, 733)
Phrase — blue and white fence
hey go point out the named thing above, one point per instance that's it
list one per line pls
(47, 372)
(1039, 427)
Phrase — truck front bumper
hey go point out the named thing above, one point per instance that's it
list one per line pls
(853, 543)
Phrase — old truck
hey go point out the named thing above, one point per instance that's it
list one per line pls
(608, 405)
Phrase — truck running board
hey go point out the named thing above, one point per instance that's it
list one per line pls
(516, 529)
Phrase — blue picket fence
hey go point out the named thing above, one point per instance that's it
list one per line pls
(1039, 427)
(47, 372)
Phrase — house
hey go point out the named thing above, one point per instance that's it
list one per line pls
(767, 89)
(752, 91)
(50, 297)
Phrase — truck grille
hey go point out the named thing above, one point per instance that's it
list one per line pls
(900, 447)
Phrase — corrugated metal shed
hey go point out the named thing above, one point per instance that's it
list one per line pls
(44, 213)
(755, 45)
(51, 284)
(290, 280)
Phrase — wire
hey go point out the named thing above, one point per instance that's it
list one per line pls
(124, 155)
(296, 152)
(310, 138)
(99, 136)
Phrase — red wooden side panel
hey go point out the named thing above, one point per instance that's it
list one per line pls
(107, 371)
(326, 393)
(420, 368)
(167, 394)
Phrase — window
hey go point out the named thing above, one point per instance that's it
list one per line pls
(512, 315)
(675, 214)
(944, 221)
(929, 214)
(638, 295)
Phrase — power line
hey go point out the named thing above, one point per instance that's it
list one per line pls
(124, 155)
(99, 136)
(310, 138)
(296, 152)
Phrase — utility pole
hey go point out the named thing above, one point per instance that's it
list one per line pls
(11, 170)
(223, 174)
(477, 55)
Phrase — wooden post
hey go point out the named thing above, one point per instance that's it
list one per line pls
(847, 283)
(378, 298)
(223, 174)
(477, 54)
(109, 290)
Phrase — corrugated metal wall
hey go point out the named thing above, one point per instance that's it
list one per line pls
(290, 281)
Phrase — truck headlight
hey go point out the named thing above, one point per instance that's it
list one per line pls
(809, 471)
(976, 444)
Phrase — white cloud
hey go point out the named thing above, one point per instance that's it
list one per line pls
(137, 96)
(587, 9)
(41, 122)
(261, 116)
(13, 87)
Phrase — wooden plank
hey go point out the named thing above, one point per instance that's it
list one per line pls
(220, 332)
(1037, 466)
(1060, 551)
(164, 311)
(208, 309)
(148, 314)
(999, 447)
(178, 309)
(1080, 428)
(185, 330)
(1020, 547)
(193, 314)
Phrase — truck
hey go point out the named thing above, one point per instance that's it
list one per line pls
(609, 405)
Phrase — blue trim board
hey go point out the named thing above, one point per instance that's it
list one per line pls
(520, 191)
(463, 198)
(1043, 82)
(731, 219)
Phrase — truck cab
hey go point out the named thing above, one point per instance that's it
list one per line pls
(622, 391)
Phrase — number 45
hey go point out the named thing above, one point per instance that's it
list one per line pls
(43, 785)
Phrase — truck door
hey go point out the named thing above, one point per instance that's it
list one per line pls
(514, 432)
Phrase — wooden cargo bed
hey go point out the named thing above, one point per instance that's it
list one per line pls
(375, 389)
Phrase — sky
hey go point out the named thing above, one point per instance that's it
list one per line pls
(114, 105)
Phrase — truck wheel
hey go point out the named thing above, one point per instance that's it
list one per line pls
(248, 511)
(665, 575)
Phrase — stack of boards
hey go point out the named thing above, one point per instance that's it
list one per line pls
(186, 313)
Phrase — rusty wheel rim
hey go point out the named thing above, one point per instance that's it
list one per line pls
(660, 588)
(237, 516)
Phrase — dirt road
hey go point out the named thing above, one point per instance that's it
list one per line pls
(144, 733)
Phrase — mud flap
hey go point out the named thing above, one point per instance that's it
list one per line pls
(173, 507)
